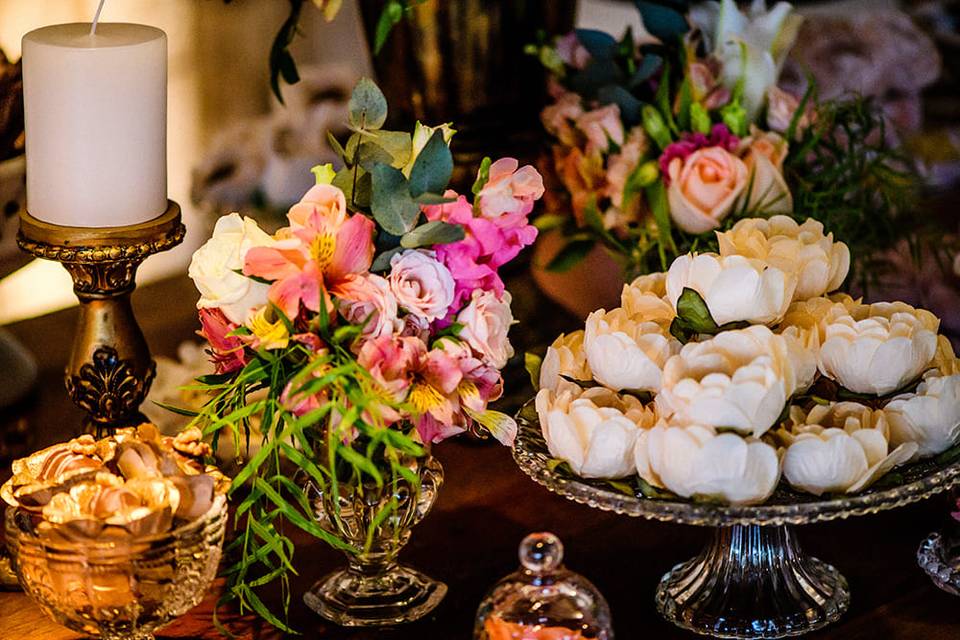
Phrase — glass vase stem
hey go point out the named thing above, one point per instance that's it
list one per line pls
(753, 582)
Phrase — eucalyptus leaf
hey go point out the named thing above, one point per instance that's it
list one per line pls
(600, 44)
(649, 65)
(630, 106)
(433, 198)
(382, 262)
(371, 153)
(396, 143)
(662, 22)
(433, 167)
(392, 206)
(367, 106)
(432, 233)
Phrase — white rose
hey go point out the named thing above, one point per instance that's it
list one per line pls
(841, 447)
(625, 353)
(646, 299)
(214, 269)
(594, 430)
(486, 322)
(421, 284)
(696, 461)
(930, 417)
(767, 193)
(565, 357)
(878, 348)
(820, 263)
(738, 380)
(734, 288)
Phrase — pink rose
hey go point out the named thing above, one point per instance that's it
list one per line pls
(421, 284)
(509, 189)
(781, 107)
(704, 187)
(486, 322)
(601, 127)
(367, 299)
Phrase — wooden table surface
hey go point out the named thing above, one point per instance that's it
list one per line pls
(486, 507)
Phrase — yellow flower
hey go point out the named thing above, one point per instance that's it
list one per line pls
(330, 8)
(271, 335)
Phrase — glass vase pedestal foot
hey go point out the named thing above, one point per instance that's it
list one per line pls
(355, 598)
(753, 582)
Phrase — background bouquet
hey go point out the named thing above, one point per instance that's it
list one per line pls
(658, 143)
(372, 325)
(735, 369)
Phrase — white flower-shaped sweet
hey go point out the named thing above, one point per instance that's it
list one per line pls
(626, 353)
(930, 417)
(737, 380)
(878, 348)
(821, 264)
(594, 430)
(734, 288)
(841, 447)
(696, 461)
(645, 299)
(565, 357)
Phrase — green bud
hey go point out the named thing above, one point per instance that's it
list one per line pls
(735, 117)
(655, 126)
(324, 173)
(699, 118)
(647, 174)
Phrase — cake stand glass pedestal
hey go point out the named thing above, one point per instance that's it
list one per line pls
(753, 579)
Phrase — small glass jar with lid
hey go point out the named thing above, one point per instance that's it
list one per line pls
(543, 600)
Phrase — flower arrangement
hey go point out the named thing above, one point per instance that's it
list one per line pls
(371, 326)
(657, 144)
(733, 370)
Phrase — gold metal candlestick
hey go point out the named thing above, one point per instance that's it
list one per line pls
(110, 368)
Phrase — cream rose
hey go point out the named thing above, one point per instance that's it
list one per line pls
(421, 284)
(841, 447)
(626, 353)
(930, 417)
(763, 154)
(486, 322)
(646, 299)
(704, 187)
(737, 380)
(821, 264)
(696, 461)
(565, 357)
(878, 348)
(214, 268)
(594, 431)
(366, 300)
(734, 288)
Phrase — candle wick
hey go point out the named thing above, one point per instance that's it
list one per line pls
(96, 18)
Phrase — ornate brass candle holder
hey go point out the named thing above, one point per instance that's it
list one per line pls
(110, 368)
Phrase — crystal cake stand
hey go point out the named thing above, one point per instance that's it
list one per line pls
(752, 580)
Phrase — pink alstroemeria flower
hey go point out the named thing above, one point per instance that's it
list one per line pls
(227, 352)
(314, 255)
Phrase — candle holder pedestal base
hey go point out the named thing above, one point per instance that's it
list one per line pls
(110, 368)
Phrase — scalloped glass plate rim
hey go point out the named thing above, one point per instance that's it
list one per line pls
(921, 480)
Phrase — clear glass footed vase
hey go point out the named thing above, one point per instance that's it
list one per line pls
(375, 590)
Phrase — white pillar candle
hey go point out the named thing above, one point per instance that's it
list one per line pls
(96, 123)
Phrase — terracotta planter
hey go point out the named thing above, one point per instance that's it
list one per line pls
(593, 283)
